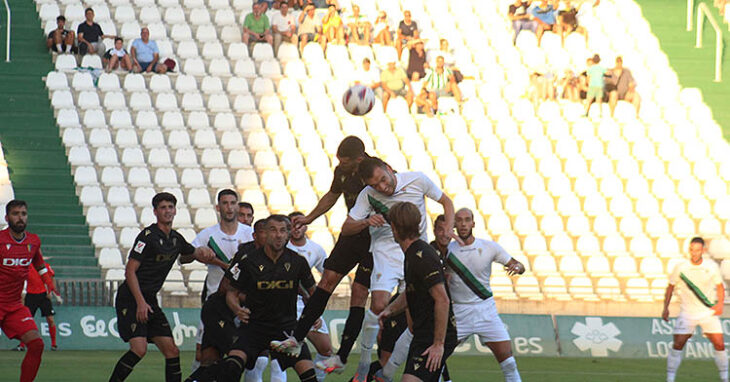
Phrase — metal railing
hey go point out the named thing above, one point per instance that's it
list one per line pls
(7, 37)
(703, 12)
(87, 292)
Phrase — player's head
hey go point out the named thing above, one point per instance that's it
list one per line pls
(378, 175)
(696, 248)
(464, 223)
(405, 221)
(350, 152)
(278, 229)
(163, 206)
(259, 233)
(297, 233)
(245, 213)
(439, 231)
(16, 214)
(227, 205)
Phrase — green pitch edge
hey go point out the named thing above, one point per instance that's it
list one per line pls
(37, 161)
(695, 67)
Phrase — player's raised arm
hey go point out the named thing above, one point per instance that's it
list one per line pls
(360, 217)
(325, 204)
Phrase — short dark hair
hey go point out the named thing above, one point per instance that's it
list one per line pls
(246, 205)
(368, 165)
(89, 9)
(697, 239)
(227, 191)
(259, 225)
(406, 219)
(279, 219)
(596, 58)
(118, 39)
(439, 219)
(351, 147)
(163, 197)
(13, 204)
(61, 18)
(295, 213)
(364, 60)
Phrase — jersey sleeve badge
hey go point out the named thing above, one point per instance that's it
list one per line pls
(235, 271)
(139, 247)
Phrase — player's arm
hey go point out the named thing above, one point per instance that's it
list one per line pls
(667, 300)
(40, 266)
(514, 267)
(360, 216)
(440, 319)
(203, 254)
(325, 204)
(130, 274)
(394, 308)
(720, 299)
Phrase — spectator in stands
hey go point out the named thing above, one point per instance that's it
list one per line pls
(595, 74)
(545, 17)
(416, 60)
(309, 26)
(427, 102)
(146, 55)
(381, 30)
(117, 57)
(358, 26)
(91, 35)
(407, 31)
(284, 26)
(368, 75)
(620, 85)
(521, 18)
(568, 22)
(333, 29)
(445, 52)
(61, 40)
(571, 86)
(441, 80)
(395, 82)
(256, 26)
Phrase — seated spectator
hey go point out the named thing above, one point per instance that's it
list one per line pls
(595, 74)
(358, 26)
(381, 30)
(571, 86)
(568, 22)
(621, 86)
(91, 35)
(445, 52)
(427, 102)
(441, 80)
(521, 19)
(368, 75)
(545, 17)
(61, 40)
(416, 60)
(394, 82)
(309, 26)
(146, 55)
(256, 26)
(333, 30)
(117, 57)
(407, 31)
(284, 26)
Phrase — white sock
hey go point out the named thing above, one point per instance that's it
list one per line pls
(509, 369)
(317, 371)
(399, 355)
(59, 48)
(256, 374)
(68, 49)
(277, 375)
(721, 362)
(673, 360)
(195, 366)
(370, 328)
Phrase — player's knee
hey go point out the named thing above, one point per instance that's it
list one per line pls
(35, 346)
(139, 350)
(172, 352)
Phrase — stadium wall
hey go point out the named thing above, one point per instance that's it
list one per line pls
(94, 328)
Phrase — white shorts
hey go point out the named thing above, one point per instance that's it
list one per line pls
(686, 325)
(387, 268)
(300, 308)
(481, 319)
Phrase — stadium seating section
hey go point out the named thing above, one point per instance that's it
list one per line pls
(597, 208)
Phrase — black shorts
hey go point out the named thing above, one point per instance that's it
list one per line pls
(35, 301)
(127, 325)
(350, 251)
(393, 327)
(416, 363)
(219, 330)
(253, 340)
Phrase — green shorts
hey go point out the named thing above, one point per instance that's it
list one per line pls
(595, 93)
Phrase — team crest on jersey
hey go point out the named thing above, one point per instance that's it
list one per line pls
(146, 232)
(287, 266)
(261, 268)
(377, 276)
(174, 242)
(343, 178)
(133, 327)
(139, 247)
(7, 246)
(221, 323)
(161, 242)
(419, 254)
(29, 247)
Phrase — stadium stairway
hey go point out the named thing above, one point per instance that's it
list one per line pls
(34, 152)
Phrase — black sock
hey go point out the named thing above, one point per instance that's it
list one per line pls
(124, 366)
(351, 331)
(172, 370)
(201, 374)
(308, 376)
(312, 311)
(445, 373)
(230, 369)
(374, 367)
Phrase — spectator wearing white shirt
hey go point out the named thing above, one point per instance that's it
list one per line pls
(284, 26)
(117, 57)
(367, 75)
(381, 30)
(358, 27)
(445, 52)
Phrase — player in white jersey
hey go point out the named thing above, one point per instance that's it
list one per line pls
(386, 188)
(224, 239)
(701, 298)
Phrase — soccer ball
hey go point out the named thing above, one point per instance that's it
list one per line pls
(358, 100)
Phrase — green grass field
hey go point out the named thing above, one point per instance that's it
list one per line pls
(95, 366)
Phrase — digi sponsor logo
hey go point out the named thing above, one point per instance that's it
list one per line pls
(17, 262)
